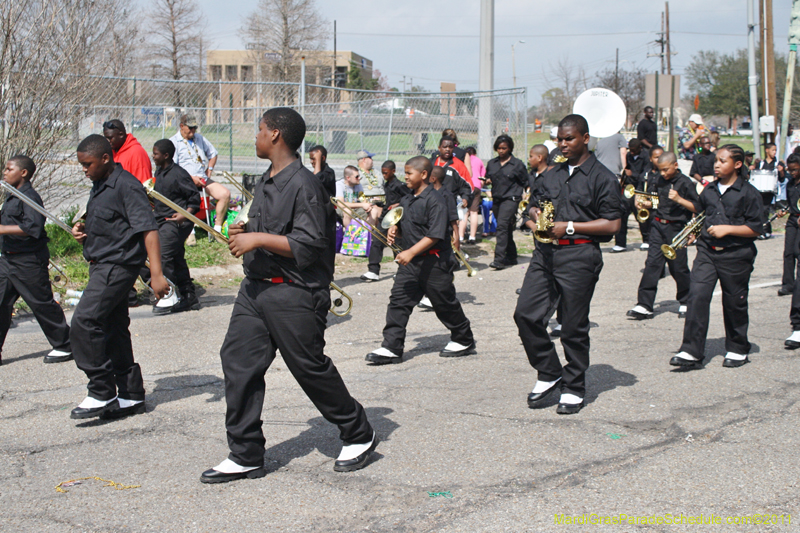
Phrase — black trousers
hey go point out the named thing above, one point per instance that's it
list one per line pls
(794, 314)
(25, 275)
(621, 238)
(732, 267)
(376, 252)
(572, 272)
(505, 212)
(766, 198)
(173, 255)
(267, 317)
(791, 250)
(654, 266)
(429, 276)
(101, 341)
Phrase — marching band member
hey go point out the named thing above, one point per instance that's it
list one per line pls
(119, 235)
(509, 178)
(676, 197)
(726, 251)
(588, 207)
(791, 245)
(25, 260)
(426, 268)
(283, 302)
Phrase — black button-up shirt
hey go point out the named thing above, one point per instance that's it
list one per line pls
(740, 206)
(425, 215)
(591, 193)
(647, 131)
(703, 164)
(670, 210)
(177, 185)
(117, 215)
(509, 180)
(16, 213)
(793, 197)
(328, 178)
(293, 203)
(455, 183)
(637, 165)
(395, 191)
(647, 182)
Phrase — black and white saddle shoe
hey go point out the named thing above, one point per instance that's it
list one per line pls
(569, 404)
(58, 356)
(734, 360)
(90, 408)
(541, 391)
(682, 311)
(686, 361)
(355, 456)
(126, 408)
(454, 349)
(793, 342)
(639, 313)
(227, 470)
(383, 356)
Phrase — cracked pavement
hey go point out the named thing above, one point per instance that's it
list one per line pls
(651, 440)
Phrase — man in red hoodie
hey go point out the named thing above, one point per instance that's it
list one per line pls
(127, 150)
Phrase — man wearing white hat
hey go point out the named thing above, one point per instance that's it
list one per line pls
(687, 141)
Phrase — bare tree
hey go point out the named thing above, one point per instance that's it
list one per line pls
(51, 54)
(565, 82)
(628, 84)
(285, 27)
(176, 38)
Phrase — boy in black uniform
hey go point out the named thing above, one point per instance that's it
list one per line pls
(676, 198)
(319, 160)
(395, 190)
(791, 244)
(177, 185)
(25, 260)
(283, 302)
(726, 252)
(647, 183)
(426, 268)
(703, 161)
(635, 164)
(588, 206)
(119, 235)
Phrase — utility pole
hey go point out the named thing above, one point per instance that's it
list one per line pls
(663, 42)
(666, 36)
(333, 72)
(752, 78)
(486, 79)
(404, 83)
(769, 57)
(616, 75)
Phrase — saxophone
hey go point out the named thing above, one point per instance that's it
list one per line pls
(545, 222)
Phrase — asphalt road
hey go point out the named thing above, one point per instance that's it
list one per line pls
(460, 449)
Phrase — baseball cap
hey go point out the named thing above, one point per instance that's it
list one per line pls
(697, 119)
(189, 121)
(361, 154)
(554, 131)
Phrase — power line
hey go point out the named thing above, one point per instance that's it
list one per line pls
(525, 36)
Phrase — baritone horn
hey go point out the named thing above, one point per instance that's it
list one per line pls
(681, 240)
(642, 213)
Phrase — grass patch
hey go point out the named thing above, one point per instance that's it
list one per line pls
(205, 253)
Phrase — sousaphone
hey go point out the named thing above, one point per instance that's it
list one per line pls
(603, 109)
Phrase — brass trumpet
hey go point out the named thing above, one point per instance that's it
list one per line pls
(244, 217)
(545, 222)
(681, 240)
(238, 186)
(642, 214)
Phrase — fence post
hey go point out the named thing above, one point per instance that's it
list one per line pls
(302, 98)
(230, 130)
(525, 118)
(163, 121)
(391, 118)
(133, 103)
(360, 126)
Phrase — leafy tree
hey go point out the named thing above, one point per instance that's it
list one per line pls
(355, 80)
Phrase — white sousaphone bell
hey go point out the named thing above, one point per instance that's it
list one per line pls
(603, 109)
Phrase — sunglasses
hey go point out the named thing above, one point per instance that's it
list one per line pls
(109, 126)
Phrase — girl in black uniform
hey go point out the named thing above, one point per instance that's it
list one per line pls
(726, 252)
(509, 178)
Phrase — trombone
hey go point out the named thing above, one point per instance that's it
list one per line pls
(463, 260)
(642, 214)
(681, 240)
(155, 195)
(247, 195)
(59, 279)
(243, 218)
(391, 219)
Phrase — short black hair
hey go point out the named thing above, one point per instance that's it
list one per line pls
(438, 173)
(420, 163)
(289, 123)
(23, 162)
(575, 121)
(389, 164)
(793, 158)
(667, 157)
(114, 124)
(648, 107)
(541, 150)
(768, 146)
(446, 138)
(95, 145)
(471, 150)
(165, 146)
(321, 149)
(634, 144)
(656, 147)
(504, 139)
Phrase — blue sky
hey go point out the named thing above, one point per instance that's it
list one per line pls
(431, 42)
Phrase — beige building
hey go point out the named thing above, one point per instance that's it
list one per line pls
(260, 66)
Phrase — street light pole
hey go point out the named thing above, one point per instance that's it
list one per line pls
(514, 77)
(486, 80)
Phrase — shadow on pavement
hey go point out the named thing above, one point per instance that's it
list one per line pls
(174, 388)
(322, 436)
(29, 356)
(603, 378)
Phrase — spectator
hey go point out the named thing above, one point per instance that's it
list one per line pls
(647, 131)
(687, 140)
(459, 153)
(319, 160)
(197, 156)
(127, 150)
(771, 163)
(349, 190)
(703, 162)
(478, 173)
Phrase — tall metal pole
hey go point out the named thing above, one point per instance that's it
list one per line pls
(794, 40)
(486, 80)
(333, 74)
(752, 78)
(770, 57)
(302, 98)
(669, 49)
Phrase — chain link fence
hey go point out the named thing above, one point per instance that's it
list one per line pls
(391, 125)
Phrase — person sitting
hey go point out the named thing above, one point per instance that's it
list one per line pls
(348, 192)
